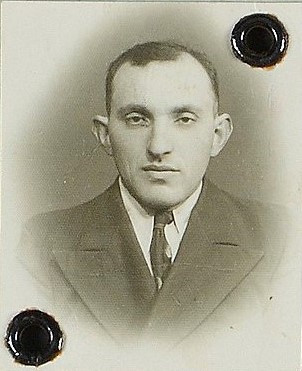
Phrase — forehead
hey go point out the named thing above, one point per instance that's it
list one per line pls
(161, 84)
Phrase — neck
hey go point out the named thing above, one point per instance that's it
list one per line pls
(154, 209)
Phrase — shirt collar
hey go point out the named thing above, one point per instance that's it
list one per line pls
(181, 213)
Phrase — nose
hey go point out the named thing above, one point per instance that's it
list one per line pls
(160, 141)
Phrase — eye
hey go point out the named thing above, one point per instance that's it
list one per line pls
(136, 119)
(186, 119)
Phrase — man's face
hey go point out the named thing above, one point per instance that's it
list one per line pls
(161, 129)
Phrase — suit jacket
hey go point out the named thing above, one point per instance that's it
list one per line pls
(226, 304)
(93, 249)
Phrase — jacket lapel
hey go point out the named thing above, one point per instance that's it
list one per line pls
(108, 269)
(214, 257)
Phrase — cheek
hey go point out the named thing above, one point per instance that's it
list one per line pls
(119, 139)
(128, 147)
(195, 155)
(197, 145)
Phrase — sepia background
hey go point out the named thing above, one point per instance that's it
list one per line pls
(54, 61)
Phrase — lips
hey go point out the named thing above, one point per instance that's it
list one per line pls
(160, 168)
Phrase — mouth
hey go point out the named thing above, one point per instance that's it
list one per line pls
(160, 168)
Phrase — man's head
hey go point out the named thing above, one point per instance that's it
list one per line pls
(163, 123)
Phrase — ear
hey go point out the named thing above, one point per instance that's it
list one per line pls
(100, 131)
(222, 131)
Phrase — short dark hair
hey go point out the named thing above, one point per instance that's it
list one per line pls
(142, 54)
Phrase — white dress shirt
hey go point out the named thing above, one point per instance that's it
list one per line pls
(143, 222)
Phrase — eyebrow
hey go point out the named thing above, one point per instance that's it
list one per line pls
(183, 109)
(144, 110)
(134, 108)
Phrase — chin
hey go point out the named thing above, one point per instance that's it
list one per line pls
(159, 202)
(158, 196)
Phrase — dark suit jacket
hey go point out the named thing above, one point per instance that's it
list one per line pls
(92, 249)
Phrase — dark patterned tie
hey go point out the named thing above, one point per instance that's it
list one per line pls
(160, 251)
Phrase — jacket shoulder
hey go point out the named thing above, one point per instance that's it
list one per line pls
(263, 223)
(229, 206)
(60, 229)
(72, 220)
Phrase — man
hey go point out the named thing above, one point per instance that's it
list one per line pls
(163, 247)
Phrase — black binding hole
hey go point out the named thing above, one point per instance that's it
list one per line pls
(34, 337)
(259, 40)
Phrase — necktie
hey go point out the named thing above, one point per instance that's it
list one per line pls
(160, 251)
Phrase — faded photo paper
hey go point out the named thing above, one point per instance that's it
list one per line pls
(151, 186)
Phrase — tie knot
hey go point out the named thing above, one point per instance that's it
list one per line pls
(162, 219)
